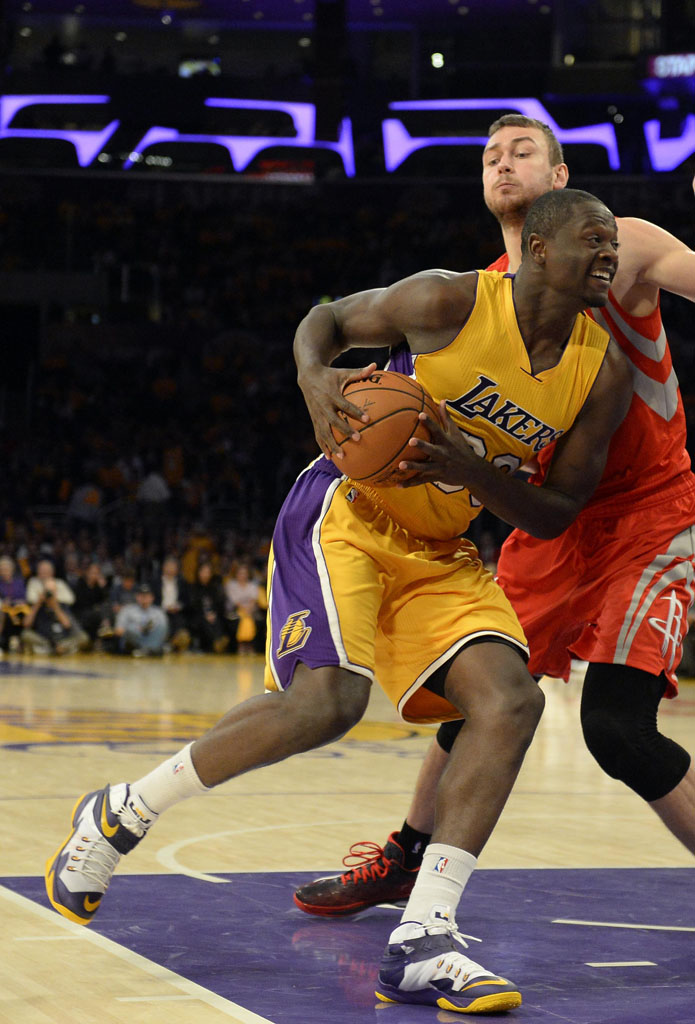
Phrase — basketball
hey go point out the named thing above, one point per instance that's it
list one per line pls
(393, 403)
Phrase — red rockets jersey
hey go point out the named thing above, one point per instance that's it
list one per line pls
(647, 454)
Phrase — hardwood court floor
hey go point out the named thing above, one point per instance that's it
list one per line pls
(70, 725)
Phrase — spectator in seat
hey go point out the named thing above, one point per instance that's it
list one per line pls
(171, 593)
(141, 627)
(123, 590)
(244, 605)
(207, 618)
(50, 626)
(13, 604)
(91, 602)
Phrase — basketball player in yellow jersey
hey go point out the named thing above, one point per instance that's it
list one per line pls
(360, 587)
(512, 405)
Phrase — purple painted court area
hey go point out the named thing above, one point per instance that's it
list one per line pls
(247, 942)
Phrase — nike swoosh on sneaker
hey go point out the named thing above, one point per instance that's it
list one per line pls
(108, 830)
(91, 905)
(487, 981)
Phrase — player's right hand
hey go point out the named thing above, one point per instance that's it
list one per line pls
(323, 394)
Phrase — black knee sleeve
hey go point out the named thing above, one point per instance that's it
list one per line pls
(619, 720)
(447, 733)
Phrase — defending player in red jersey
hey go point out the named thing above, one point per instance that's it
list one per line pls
(615, 587)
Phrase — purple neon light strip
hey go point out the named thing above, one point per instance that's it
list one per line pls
(9, 105)
(87, 143)
(400, 144)
(242, 148)
(304, 119)
(303, 114)
(667, 154)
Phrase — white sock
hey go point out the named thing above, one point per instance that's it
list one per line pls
(170, 782)
(440, 882)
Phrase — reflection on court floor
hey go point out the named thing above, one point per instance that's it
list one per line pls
(582, 948)
(583, 898)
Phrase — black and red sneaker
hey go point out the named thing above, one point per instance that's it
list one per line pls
(376, 875)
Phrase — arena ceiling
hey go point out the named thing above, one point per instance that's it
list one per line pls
(273, 13)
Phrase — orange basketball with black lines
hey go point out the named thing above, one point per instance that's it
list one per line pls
(393, 403)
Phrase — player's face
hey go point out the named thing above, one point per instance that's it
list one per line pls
(582, 257)
(516, 170)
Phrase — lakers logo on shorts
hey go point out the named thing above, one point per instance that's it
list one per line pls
(294, 634)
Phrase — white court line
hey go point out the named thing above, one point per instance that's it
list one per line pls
(154, 999)
(168, 859)
(189, 988)
(622, 924)
(624, 963)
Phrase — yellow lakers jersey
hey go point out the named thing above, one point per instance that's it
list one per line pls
(506, 413)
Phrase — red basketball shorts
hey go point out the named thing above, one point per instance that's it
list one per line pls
(614, 589)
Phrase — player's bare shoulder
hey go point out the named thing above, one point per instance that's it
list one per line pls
(444, 284)
(449, 292)
(432, 305)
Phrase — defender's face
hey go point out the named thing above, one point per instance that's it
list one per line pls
(516, 170)
(582, 257)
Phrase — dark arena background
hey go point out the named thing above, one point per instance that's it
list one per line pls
(180, 182)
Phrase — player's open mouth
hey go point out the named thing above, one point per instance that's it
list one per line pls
(604, 276)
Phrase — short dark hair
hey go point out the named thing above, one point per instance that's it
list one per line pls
(555, 154)
(549, 212)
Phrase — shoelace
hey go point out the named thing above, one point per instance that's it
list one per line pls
(130, 820)
(452, 928)
(371, 862)
(454, 961)
(456, 964)
(99, 862)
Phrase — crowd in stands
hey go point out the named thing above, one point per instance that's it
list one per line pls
(78, 599)
(148, 439)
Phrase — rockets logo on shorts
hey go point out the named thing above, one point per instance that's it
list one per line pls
(441, 865)
(671, 627)
(294, 634)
